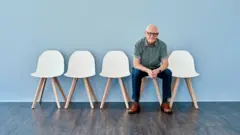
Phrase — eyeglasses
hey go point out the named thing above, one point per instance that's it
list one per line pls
(152, 34)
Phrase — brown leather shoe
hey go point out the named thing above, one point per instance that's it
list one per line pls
(166, 108)
(135, 108)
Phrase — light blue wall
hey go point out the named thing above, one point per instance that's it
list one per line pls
(208, 29)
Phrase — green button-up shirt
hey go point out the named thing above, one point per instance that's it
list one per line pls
(150, 55)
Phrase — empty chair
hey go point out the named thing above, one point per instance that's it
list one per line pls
(181, 63)
(81, 65)
(50, 65)
(115, 65)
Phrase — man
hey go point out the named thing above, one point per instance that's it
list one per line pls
(150, 59)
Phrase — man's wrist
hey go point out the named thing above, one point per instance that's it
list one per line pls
(147, 70)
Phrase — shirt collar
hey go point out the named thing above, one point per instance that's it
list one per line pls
(146, 44)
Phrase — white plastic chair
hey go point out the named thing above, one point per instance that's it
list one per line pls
(181, 63)
(50, 65)
(115, 65)
(81, 65)
(155, 85)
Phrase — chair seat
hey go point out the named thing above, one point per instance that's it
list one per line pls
(185, 75)
(78, 75)
(148, 77)
(35, 74)
(115, 75)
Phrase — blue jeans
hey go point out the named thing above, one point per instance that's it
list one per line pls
(137, 76)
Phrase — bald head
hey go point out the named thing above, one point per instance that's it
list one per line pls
(151, 33)
(152, 28)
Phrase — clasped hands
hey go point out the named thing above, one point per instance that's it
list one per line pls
(153, 73)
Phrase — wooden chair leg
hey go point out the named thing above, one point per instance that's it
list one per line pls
(142, 86)
(106, 92)
(74, 82)
(174, 91)
(173, 84)
(42, 91)
(88, 92)
(91, 90)
(55, 93)
(60, 88)
(157, 91)
(123, 92)
(191, 91)
(37, 92)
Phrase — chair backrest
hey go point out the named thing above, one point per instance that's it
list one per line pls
(115, 64)
(181, 63)
(50, 63)
(81, 64)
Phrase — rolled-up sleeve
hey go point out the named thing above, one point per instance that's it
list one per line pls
(137, 51)
(163, 52)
